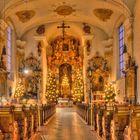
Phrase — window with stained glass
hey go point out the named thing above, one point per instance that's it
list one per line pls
(9, 48)
(121, 49)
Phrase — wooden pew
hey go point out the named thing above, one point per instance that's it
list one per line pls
(98, 124)
(8, 126)
(29, 120)
(21, 122)
(119, 122)
(107, 117)
(84, 111)
(41, 115)
(49, 110)
(21, 119)
(132, 130)
(34, 110)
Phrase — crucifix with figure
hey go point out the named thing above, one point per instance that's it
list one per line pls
(63, 27)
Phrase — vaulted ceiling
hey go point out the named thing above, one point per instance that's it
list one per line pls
(27, 14)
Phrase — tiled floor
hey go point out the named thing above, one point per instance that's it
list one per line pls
(65, 125)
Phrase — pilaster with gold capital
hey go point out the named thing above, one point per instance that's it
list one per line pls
(43, 42)
(87, 44)
(128, 25)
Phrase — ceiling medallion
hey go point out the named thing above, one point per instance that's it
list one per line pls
(103, 13)
(25, 15)
(64, 10)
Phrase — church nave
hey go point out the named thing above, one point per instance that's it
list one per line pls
(68, 67)
(66, 124)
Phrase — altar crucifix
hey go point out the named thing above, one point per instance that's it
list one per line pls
(63, 27)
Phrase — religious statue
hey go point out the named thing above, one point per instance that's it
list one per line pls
(40, 30)
(86, 28)
(2, 63)
(88, 46)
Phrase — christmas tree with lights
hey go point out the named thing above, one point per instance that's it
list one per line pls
(20, 89)
(51, 90)
(109, 92)
(78, 87)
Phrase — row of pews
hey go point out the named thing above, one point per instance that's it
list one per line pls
(21, 122)
(113, 122)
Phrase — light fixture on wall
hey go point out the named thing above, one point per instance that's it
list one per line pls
(26, 71)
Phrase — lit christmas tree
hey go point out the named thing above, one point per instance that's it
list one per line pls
(109, 92)
(78, 87)
(51, 91)
(20, 89)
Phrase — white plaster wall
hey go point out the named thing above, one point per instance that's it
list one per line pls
(76, 29)
(137, 44)
(31, 43)
(98, 42)
(115, 76)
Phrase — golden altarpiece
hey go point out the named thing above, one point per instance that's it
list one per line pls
(99, 77)
(65, 64)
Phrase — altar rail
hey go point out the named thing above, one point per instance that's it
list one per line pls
(113, 122)
(21, 122)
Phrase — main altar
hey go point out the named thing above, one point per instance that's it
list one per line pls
(65, 72)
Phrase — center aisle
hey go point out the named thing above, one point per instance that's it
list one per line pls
(65, 125)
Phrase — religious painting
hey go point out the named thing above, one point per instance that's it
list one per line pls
(97, 82)
(65, 47)
(32, 87)
(25, 15)
(100, 72)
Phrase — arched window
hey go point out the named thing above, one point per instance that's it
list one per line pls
(121, 49)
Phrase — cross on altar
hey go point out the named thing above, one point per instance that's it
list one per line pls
(63, 26)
